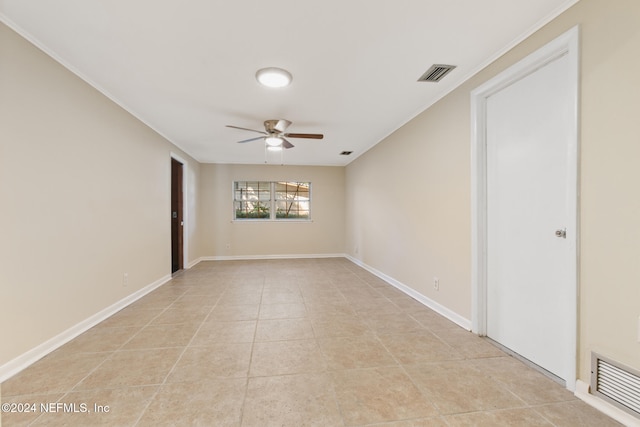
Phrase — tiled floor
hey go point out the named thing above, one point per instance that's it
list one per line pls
(286, 343)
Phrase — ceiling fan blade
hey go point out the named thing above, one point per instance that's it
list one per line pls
(282, 125)
(287, 144)
(251, 139)
(252, 130)
(305, 135)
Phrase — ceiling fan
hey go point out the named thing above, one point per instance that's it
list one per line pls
(274, 134)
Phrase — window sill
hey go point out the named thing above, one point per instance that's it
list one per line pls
(274, 221)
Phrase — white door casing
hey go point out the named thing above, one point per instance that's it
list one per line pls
(525, 297)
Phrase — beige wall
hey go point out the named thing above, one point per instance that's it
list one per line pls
(324, 235)
(412, 222)
(85, 198)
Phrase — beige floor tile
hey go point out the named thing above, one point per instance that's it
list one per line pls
(393, 293)
(468, 344)
(321, 290)
(195, 301)
(418, 347)
(237, 298)
(155, 302)
(338, 326)
(283, 329)
(377, 395)
(217, 403)
(205, 289)
(281, 297)
(282, 311)
(230, 312)
(286, 357)
(419, 422)
(360, 293)
(199, 364)
(355, 352)
(214, 331)
(128, 368)
(100, 339)
(58, 372)
(457, 386)
(192, 315)
(375, 307)
(291, 400)
(130, 316)
(397, 323)
(432, 320)
(329, 309)
(107, 407)
(523, 381)
(574, 414)
(407, 304)
(161, 336)
(524, 417)
(24, 410)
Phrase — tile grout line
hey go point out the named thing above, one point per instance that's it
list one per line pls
(253, 342)
(159, 386)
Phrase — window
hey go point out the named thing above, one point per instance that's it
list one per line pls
(272, 201)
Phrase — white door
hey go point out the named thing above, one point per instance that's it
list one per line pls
(530, 216)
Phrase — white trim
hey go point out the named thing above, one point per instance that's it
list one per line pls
(185, 207)
(565, 44)
(266, 257)
(193, 263)
(272, 204)
(582, 393)
(21, 362)
(433, 305)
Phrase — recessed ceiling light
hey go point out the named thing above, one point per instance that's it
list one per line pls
(274, 77)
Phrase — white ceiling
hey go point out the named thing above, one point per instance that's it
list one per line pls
(186, 68)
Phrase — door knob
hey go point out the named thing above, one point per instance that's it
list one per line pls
(561, 233)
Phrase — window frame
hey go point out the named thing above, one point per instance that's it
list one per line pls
(272, 202)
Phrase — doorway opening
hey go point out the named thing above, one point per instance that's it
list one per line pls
(177, 219)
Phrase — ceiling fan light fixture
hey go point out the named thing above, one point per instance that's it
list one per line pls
(274, 147)
(273, 141)
(274, 77)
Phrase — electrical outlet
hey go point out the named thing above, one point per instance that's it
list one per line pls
(125, 279)
(638, 328)
(228, 245)
(356, 250)
(436, 283)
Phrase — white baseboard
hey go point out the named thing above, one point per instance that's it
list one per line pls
(21, 362)
(267, 257)
(433, 305)
(193, 263)
(582, 393)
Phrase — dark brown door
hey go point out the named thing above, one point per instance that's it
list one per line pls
(176, 216)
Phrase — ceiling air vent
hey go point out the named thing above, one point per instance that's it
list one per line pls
(436, 73)
(346, 153)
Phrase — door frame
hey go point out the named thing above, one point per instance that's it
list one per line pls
(565, 44)
(185, 204)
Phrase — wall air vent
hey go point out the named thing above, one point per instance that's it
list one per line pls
(615, 383)
(436, 73)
